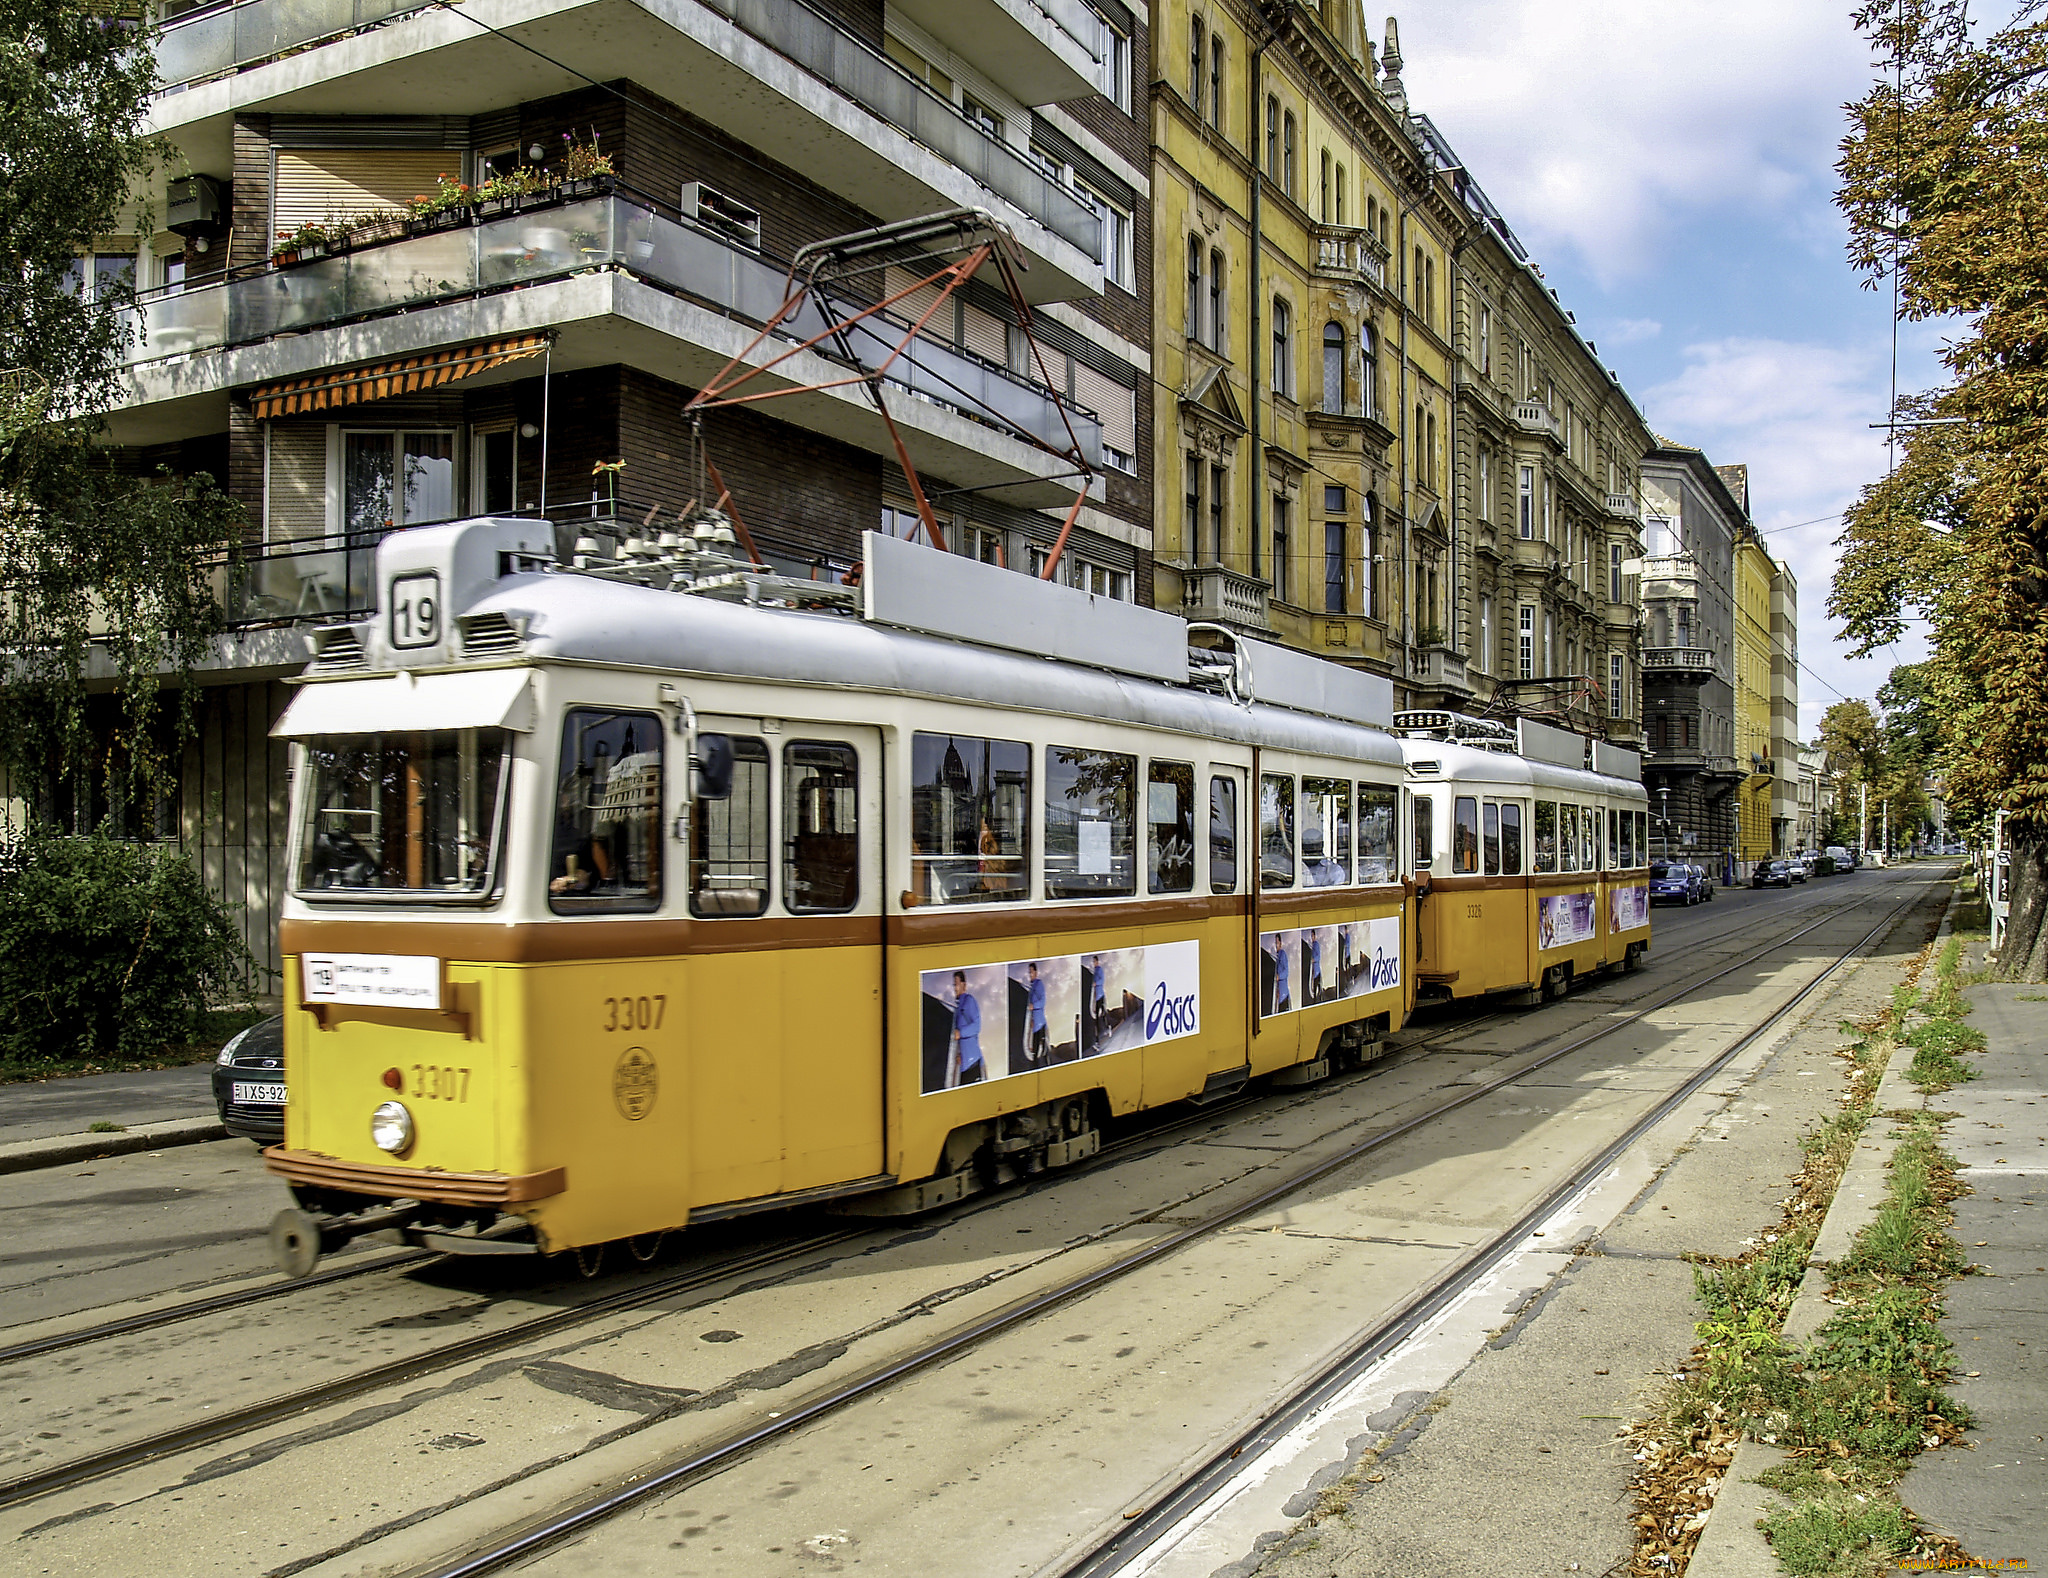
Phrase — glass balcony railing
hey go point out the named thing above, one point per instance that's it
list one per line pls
(209, 43)
(571, 238)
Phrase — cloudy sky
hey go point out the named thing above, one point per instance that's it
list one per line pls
(1669, 165)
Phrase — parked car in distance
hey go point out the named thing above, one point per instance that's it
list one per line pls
(1796, 869)
(1809, 862)
(1771, 874)
(1702, 883)
(1844, 860)
(248, 1082)
(1671, 883)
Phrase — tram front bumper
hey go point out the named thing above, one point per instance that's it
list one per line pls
(430, 1185)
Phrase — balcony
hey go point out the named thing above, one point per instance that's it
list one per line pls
(1224, 597)
(1438, 667)
(1694, 663)
(620, 282)
(1622, 507)
(1533, 416)
(1351, 254)
(1037, 51)
(775, 74)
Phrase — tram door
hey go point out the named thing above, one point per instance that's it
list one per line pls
(789, 1076)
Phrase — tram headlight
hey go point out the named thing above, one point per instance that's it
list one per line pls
(391, 1128)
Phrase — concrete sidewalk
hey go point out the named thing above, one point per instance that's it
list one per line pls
(47, 1123)
(1994, 1497)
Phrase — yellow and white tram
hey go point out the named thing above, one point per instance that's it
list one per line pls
(616, 909)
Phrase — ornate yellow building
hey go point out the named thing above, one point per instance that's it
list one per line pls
(1754, 574)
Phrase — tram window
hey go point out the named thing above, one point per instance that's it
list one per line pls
(1642, 838)
(1510, 840)
(1276, 830)
(1613, 839)
(607, 845)
(1591, 846)
(729, 840)
(1089, 849)
(1376, 835)
(1170, 827)
(820, 827)
(1567, 837)
(1546, 835)
(1222, 834)
(1325, 832)
(1490, 838)
(1464, 834)
(402, 812)
(1425, 832)
(970, 811)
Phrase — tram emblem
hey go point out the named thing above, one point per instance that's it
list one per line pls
(635, 1083)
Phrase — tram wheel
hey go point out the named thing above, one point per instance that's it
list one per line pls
(294, 1241)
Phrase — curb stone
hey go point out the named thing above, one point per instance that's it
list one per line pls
(1731, 1545)
(26, 1155)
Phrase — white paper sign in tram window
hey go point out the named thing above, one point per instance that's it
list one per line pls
(1094, 849)
(372, 980)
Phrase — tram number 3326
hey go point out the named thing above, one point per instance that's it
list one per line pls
(634, 1013)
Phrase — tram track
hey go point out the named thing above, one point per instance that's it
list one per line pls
(531, 1538)
(1136, 1144)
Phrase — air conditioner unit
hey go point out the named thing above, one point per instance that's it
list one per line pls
(719, 214)
(194, 206)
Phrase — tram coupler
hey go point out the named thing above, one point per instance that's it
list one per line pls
(298, 1238)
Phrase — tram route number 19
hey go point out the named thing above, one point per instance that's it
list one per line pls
(416, 609)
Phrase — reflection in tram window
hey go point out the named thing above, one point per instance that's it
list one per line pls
(820, 827)
(970, 810)
(1088, 823)
(1375, 835)
(606, 851)
(1276, 830)
(1425, 832)
(1590, 816)
(415, 812)
(1642, 838)
(1511, 840)
(1222, 834)
(1567, 836)
(729, 840)
(1170, 827)
(1613, 839)
(1490, 838)
(1325, 832)
(1464, 834)
(1546, 835)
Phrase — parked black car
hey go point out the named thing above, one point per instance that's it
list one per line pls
(1702, 883)
(248, 1083)
(1771, 874)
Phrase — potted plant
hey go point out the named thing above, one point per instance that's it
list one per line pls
(585, 169)
(303, 243)
(448, 204)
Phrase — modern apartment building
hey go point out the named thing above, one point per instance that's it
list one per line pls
(533, 352)
(1381, 437)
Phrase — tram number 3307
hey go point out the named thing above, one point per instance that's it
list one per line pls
(634, 1013)
(431, 1082)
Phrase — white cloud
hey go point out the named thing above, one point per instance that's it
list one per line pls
(1627, 331)
(1599, 125)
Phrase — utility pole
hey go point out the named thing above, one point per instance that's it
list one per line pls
(1862, 818)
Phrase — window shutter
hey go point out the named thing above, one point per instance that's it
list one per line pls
(1110, 400)
(917, 303)
(986, 335)
(313, 185)
(295, 490)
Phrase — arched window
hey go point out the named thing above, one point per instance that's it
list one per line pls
(1287, 153)
(1333, 367)
(1272, 137)
(1196, 66)
(1372, 214)
(1368, 372)
(1194, 287)
(1219, 317)
(1283, 348)
(1216, 81)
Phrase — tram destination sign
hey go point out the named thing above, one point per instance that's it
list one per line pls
(372, 980)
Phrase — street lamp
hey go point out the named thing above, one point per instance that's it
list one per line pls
(1664, 792)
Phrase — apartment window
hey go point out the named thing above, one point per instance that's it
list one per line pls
(1116, 66)
(1415, 284)
(1549, 498)
(1418, 464)
(1194, 509)
(1272, 137)
(979, 114)
(1525, 641)
(1549, 643)
(1116, 237)
(1283, 581)
(902, 520)
(1334, 533)
(1429, 467)
(987, 546)
(1484, 503)
(396, 479)
(1333, 367)
(1283, 348)
(1098, 579)
(1528, 386)
(1571, 657)
(1216, 82)
(1386, 229)
(1197, 36)
(1341, 183)
(1429, 291)
(1219, 332)
(1485, 633)
(104, 275)
(1617, 695)
(1614, 572)
(1326, 185)
(914, 63)
(1525, 501)
(494, 470)
(1372, 212)
(1194, 287)
(1368, 371)
(1369, 557)
(1485, 342)
(1219, 493)
(1287, 153)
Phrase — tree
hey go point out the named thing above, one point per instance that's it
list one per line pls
(93, 556)
(1944, 179)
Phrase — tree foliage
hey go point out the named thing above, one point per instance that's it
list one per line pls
(1944, 179)
(104, 573)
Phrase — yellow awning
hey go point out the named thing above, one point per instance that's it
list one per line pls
(381, 380)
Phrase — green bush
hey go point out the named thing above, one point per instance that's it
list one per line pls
(108, 949)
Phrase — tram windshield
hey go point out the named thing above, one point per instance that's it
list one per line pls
(402, 813)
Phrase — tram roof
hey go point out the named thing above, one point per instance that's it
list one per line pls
(586, 619)
(1460, 764)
